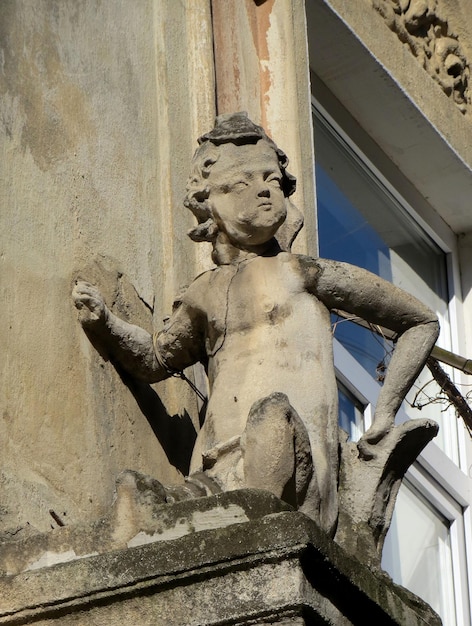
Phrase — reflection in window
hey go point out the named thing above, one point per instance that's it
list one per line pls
(361, 222)
(351, 413)
(417, 552)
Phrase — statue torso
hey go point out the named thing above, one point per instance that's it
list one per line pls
(265, 333)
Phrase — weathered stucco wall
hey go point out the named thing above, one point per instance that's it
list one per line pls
(100, 107)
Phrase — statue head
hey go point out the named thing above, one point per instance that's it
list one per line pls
(229, 158)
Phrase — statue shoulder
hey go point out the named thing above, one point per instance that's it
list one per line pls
(310, 267)
(196, 293)
(322, 277)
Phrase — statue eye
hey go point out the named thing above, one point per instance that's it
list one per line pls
(230, 186)
(274, 179)
(239, 185)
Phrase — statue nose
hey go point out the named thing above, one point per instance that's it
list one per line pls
(264, 193)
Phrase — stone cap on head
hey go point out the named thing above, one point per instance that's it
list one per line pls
(234, 128)
(237, 128)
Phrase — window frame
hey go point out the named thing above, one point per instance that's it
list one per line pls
(444, 484)
(445, 240)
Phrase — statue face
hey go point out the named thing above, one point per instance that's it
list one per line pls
(245, 198)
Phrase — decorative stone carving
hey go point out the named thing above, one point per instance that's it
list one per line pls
(420, 25)
(259, 322)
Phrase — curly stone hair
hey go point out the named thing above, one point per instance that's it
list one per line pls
(234, 128)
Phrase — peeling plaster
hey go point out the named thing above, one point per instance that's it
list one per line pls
(53, 558)
(200, 520)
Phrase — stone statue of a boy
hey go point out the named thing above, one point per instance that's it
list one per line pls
(259, 322)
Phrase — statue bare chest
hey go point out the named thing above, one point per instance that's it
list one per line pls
(265, 294)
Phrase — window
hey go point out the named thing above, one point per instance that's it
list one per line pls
(360, 221)
(417, 551)
(351, 412)
(363, 220)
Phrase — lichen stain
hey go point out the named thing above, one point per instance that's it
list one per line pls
(259, 20)
(52, 107)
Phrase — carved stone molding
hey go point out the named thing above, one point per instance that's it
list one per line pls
(420, 25)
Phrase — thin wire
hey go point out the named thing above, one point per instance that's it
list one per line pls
(181, 375)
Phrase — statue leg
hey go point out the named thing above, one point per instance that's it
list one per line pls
(276, 450)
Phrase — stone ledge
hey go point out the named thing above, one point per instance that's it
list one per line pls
(138, 516)
(277, 569)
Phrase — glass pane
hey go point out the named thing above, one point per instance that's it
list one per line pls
(360, 222)
(417, 552)
(351, 413)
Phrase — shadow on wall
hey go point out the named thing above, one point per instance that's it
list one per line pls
(175, 433)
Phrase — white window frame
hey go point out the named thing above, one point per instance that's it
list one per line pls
(446, 241)
(434, 475)
(444, 484)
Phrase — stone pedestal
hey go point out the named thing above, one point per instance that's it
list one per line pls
(251, 561)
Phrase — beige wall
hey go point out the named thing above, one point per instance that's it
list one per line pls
(100, 106)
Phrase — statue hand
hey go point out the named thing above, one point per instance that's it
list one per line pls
(381, 426)
(90, 304)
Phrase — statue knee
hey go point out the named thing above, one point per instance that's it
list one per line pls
(276, 449)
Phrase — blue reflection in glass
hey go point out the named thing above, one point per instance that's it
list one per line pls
(345, 235)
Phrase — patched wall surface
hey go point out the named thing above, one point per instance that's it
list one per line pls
(96, 141)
